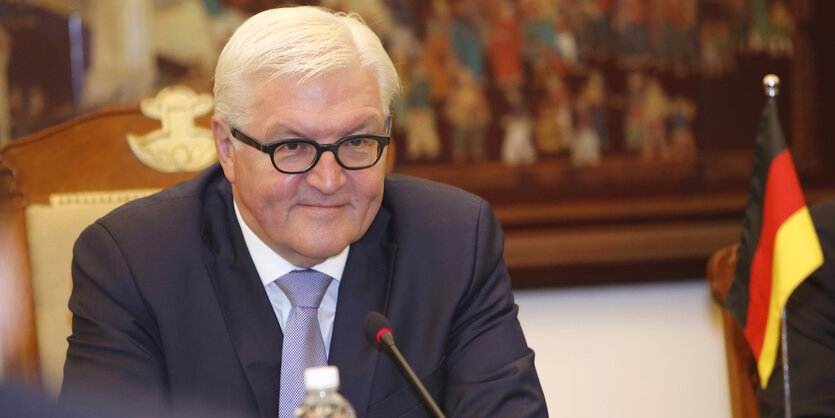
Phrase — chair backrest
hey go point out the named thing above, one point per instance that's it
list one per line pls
(55, 183)
(742, 372)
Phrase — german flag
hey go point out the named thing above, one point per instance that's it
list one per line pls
(778, 247)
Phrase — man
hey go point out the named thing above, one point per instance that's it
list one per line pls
(810, 314)
(181, 299)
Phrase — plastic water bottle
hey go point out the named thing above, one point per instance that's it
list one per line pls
(323, 400)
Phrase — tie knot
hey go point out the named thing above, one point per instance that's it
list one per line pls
(304, 288)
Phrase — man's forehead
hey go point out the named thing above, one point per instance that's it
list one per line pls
(345, 102)
(343, 83)
(299, 129)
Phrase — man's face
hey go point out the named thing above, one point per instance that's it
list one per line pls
(309, 217)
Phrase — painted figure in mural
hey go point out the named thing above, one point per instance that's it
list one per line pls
(554, 121)
(585, 148)
(404, 48)
(540, 39)
(586, 144)
(781, 28)
(759, 24)
(772, 27)
(566, 41)
(737, 15)
(633, 123)
(717, 48)
(422, 131)
(682, 141)
(413, 111)
(672, 28)
(592, 99)
(591, 120)
(599, 14)
(402, 63)
(468, 113)
(437, 57)
(505, 46)
(517, 145)
(654, 142)
(630, 23)
(466, 39)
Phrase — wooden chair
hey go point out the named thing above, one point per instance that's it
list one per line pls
(56, 182)
(742, 372)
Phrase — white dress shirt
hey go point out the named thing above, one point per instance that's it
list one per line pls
(271, 266)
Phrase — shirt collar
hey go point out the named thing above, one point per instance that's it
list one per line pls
(271, 266)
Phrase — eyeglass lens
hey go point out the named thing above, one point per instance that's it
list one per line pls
(353, 153)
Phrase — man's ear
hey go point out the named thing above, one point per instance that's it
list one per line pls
(224, 147)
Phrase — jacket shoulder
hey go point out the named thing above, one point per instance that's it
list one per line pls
(425, 208)
(415, 194)
(174, 212)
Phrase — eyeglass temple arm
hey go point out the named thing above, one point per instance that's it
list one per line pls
(240, 136)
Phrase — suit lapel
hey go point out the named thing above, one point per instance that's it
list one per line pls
(364, 287)
(250, 320)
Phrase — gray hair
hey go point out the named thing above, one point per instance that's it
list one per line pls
(296, 42)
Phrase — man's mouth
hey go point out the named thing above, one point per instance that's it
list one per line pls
(323, 205)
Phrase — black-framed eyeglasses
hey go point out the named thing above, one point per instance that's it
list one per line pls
(296, 156)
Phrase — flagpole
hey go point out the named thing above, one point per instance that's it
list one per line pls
(771, 84)
(785, 349)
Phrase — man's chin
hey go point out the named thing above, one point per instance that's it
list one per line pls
(319, 253)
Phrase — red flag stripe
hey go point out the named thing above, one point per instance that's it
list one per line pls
(782, 199)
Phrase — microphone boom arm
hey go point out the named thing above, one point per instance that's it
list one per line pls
(378, 330)
(420, 391)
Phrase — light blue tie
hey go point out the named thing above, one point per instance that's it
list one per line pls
(303, 346)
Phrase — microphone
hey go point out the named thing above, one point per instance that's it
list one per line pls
(377, 328)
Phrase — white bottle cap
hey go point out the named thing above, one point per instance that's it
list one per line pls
(318, 378)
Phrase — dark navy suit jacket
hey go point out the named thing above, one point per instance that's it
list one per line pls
(169, 310)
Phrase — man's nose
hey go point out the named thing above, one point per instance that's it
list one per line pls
(327, 175)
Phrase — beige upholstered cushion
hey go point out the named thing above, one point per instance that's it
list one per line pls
(51, 232)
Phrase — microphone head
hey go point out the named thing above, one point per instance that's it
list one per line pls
(375, 325)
